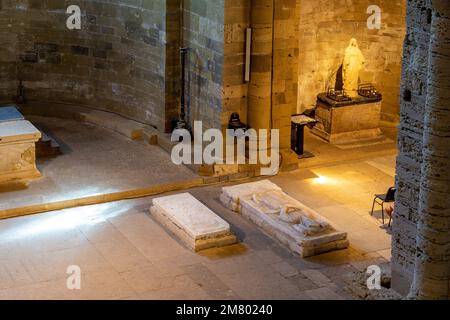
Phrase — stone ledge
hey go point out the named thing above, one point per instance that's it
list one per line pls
(129, 128)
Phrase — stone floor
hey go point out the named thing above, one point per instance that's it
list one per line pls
(327, 154)
(124, 254)
(94, 161)
(99, 161)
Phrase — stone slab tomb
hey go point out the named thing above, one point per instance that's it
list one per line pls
(192, 222)
(282, 217)
(18, 151)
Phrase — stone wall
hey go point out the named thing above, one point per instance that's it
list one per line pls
(235, 89)
(172, 63)
(116, 62)
(203, 34)
(326, 28)
(421, 227)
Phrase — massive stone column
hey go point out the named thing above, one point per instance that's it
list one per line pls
(285, 73)
(260, 86)
(273, 87)
(431, 278)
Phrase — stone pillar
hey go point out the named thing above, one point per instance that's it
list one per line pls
(432, 265)
(273, 87)
(172, 63)
(260, 86)
(410, 139)
(285, 70)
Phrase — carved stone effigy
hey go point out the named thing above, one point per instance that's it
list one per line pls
(17, 147)
(302, 229)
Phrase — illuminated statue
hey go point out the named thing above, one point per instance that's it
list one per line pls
(353, 63)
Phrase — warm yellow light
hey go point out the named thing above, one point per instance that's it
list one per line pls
(326, 181)
(321, 180)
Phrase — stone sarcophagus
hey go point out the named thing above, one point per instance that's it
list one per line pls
(284, 218)
(192, 222)
(18, 151)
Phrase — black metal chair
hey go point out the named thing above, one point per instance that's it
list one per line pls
(381, 199)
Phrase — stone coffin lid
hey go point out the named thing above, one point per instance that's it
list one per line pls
(192, 216)
(10, 114)
(18, 131)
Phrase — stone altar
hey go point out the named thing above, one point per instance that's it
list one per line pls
(192, 222)
(287, 220)
(18, 151)
(352, 113)
(347, 121)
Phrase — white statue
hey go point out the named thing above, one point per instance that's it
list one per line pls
(353, 63)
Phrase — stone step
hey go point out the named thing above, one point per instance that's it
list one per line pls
(129, 128)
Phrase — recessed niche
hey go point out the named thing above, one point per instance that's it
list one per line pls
(407, 95)
(429, 16)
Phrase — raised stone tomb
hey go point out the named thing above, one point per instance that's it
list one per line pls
(282, 217)
(192, 222)
(356, 120)
(17, 151)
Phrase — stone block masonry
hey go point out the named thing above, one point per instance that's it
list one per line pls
(126, 59)
(270, 98)
(409, 161)
(116, 62)
(421, 233)
(235, 89)
(203, 34)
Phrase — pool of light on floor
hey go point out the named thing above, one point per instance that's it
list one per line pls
(324, 180)
(65, 220)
